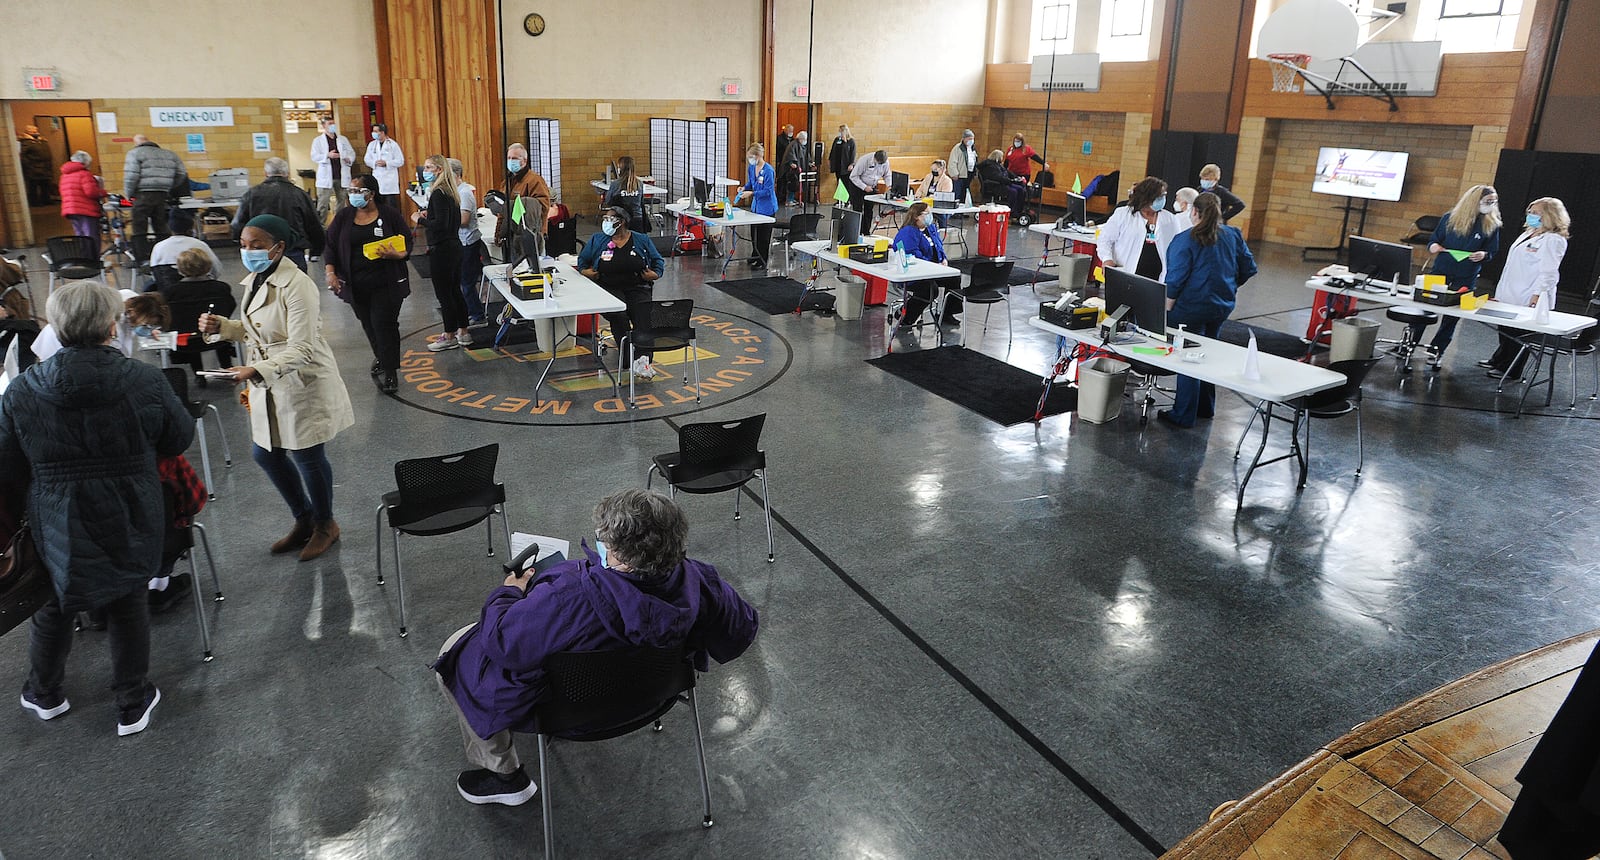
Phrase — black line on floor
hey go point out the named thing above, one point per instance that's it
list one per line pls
(1488, 410)
(1082, 783)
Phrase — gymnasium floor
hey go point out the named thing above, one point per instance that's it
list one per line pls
(1037, 641)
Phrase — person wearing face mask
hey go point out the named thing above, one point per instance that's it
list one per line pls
(385, 159)
(1136, 236)
(920, 238)
(1473, 227)
(1211, 180)
(760, 192)
(442, 221)
(1532, 270)
(936, 182)
(627, 191)
(143, 314)
(334, 156)
(1182, 203)
(1206, 265)
(1020, 156)
(375, 288)
(296, 399)
(963, 164)
(796, 159)
(624, 264)
(522, 181)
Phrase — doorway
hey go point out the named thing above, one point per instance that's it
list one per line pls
(64, 127)
(738, 133)
(302, 122)
(795, 114)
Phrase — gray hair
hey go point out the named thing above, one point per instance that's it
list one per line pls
(83, 312)
(82, 157)
(277, 167)
(644, 530)
(966, 133)
(518, 149)
(455, 166)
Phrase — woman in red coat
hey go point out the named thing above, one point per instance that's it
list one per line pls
(81, 195)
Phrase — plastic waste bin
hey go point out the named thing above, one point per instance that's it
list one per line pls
(1353, 338)
(1074, 269)
(849, 297)
(992, 222)
(1100, 384)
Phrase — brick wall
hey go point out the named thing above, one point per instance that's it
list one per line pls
(1135, 151)
(226, 146)
(1105, 132)
(902, 129)
(1292, 214)
(15, 228)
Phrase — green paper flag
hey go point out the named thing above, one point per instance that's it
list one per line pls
(516, 210)
(1458, 255)
(1077, 184)
(840, 193)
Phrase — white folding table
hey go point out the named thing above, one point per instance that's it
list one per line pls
(1283, 382)
(1071, 238)
(570, 294)
(732, 219)
(918, 270)
(898, 206)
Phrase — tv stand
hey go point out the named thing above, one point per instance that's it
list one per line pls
(1338, 250)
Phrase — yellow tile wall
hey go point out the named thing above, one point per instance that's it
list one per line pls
(11, 191)
(1068, 130)
(1434, 178)
(1252, 178)
(1135, 151)
(902, 129)
(226, 146)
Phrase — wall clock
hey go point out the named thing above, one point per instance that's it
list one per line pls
(533, 25)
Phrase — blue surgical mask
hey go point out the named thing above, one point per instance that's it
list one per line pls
(333, 129)
(1208, 184)
(374, 135)
(255, 261)
(1160, 203)
(513, 165)
(144, 330)
(1533, 221)
(428, 176)
(358, 200)
(609, 227)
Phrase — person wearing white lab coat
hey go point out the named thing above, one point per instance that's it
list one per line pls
(1136, 236)
(385, 159)
(334, 157)
(1532, 270)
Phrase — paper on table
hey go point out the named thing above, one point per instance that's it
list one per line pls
(548, 546)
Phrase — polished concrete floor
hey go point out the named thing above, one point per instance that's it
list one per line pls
(1038, 641)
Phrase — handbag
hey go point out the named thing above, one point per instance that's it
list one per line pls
(24, 583)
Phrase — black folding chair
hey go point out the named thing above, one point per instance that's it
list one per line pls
(989, 285)
(180, 540)
(73, 258)
(599, 695)
(186, 318)
(178, 378)
(716, 457)
(802, 228)
(669, 331)
(437, 496)
(1585, 342)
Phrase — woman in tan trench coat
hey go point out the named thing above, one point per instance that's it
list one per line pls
(297, 400)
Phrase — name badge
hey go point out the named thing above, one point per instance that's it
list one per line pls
(605, 256)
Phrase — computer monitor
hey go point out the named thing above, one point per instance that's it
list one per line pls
(1380, 261)
(1077, 213)
(530, 247)
(846, 227)
(899, 185)
(701, 192)
(1145, 299)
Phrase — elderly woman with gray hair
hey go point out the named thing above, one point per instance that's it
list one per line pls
(645, 592)
(81, 194)
(86, 426)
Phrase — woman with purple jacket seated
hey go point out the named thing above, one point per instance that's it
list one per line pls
(646, 593)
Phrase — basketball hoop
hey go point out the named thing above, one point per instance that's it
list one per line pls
(1286, 71)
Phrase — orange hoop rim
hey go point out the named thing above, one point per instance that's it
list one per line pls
(1299, 60)
(1285, 68)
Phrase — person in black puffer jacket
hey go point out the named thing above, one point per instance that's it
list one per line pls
(86, 427)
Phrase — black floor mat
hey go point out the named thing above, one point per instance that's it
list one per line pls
(776, 296)
(1020, 277)
(988, 386)
(1268, 340)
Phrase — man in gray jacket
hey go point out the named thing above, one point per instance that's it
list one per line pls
(149, 176)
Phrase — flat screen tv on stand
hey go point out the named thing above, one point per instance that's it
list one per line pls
(1356, 174)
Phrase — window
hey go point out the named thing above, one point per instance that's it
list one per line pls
(1466, 26)
(1471, 8)
(1054, 25)
(1128, 17)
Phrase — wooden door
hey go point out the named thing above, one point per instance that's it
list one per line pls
(792, 113)
(738, 114)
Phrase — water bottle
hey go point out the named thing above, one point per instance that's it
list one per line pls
(900, 256)
(727, 208)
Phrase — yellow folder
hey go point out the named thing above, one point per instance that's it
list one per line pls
(370, 250)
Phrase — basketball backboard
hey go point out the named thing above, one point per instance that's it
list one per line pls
(1323, 29)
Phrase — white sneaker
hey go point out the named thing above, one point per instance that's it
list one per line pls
(643, 369)
(443, 342)
(465, 339)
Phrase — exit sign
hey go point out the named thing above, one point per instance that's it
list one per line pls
(801, 91)
(41, 80)
(730, 88)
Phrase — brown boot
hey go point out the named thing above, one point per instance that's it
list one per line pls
(323, 536)
(295, 539)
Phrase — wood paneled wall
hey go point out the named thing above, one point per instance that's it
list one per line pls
(1474, 89)
(438, 60)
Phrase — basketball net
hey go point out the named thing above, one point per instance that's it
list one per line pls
(1286, 71)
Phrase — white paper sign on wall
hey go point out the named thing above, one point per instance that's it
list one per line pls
(175, 117)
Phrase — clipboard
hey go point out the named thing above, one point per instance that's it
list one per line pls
(370, 250)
